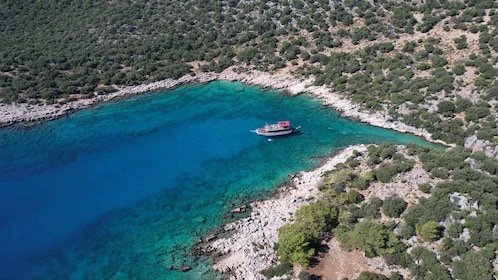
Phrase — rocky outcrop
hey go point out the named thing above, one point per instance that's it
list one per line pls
(476, 145)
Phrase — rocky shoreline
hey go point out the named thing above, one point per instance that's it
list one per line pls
(249, 248)
(26, 114)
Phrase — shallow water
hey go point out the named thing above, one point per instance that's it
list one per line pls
(124, 189)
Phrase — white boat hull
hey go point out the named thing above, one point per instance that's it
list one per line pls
(277, 129)
(274, 133)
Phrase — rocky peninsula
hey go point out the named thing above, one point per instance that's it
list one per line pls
(249, 249)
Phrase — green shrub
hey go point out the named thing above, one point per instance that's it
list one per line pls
(454, 230)
(402, 259)
(280, 269)
(425, 187)
(355, 197)
(360, 183)
(304, 275)
(406, 231)
(423, 66)
(367, 275)
(446, 108)
(370, 236)
(316, 218)
(295, 245)
(459, 69)
(473, 266)
(393, 206)
(428, 231)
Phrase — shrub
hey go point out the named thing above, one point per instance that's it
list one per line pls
(367, 275)
(402, 259)
(303, 275)
(428, 231)
(462, 104)
(316, 218)
(355, 197)
(409, 47)
(406, 231)
(370, 236)
(446, 108)
(393, 206)
(425, 187)
(371, 209)
(423, 66)
(295, 245)
(459, 69)
(461, 43)
(280, 269)
(454, 230)
(473, 266)
(360, 183)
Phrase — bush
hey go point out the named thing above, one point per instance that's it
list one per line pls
(425, 187)
(409, 47)
(393, 206)
(428, 231)
(371, 209)
(406, 231)
(370, 236)
(316, 218)
(295, 245)
(385, 172)
(423, 66)
(367, 275)
(360, 183)
(454, 230)
(280, 269)
(304, 275)
(473, 266)
(446, 108)
(402, 259)
(355, 197)
(459, 69)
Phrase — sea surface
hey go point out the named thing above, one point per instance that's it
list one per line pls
(123, 190)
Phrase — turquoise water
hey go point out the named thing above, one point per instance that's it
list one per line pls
(123, 190)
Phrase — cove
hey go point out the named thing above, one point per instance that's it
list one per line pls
(123, 190)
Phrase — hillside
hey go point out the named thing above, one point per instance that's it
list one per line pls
(431, 65)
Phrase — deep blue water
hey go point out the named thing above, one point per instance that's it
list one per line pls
(124, 189)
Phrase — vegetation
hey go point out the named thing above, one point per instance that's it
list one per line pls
(371, 237)
(280, 269)
(297, 240)
(454, 214)
(66, 50)
(400, 58)
(393, 206)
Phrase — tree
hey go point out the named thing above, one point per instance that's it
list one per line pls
(355, 197)
(295, 245)
(371, 209)
(316, 218)
(473, 266)
(370, 236)
(393, 206)
(447, 108)
(428, 231)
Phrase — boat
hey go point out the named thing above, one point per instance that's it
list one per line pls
(275, 129)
